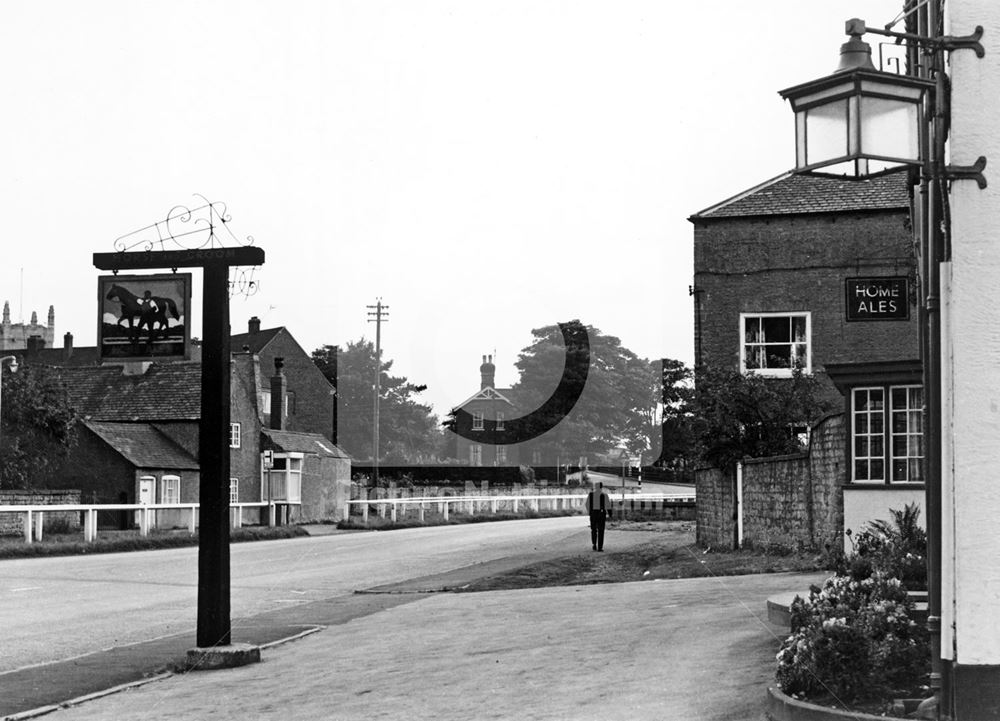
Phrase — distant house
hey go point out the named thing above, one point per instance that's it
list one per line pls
(818, 273)
(475, 444)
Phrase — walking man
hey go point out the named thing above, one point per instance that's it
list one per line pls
(599, 508)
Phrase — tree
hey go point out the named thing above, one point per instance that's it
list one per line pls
(618, 405)
(37, 424)
(740, 416)
(408, 429)
(681, 443)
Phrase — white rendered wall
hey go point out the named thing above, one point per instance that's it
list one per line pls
(971, 565)
(864, 505)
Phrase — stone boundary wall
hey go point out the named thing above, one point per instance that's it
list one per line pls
(791, 501)
(714, 516)
(12, 524)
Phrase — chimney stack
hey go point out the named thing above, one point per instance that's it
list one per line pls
(68, 345)
(253, 326)
(279, 386)
(35, 344)
(487, 372)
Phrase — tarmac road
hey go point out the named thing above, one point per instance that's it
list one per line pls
(55, 608)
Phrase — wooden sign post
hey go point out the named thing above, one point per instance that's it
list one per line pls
(214, 626)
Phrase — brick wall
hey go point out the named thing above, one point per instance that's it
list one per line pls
(790, 501)
(13, 523)
(714, 514)
(310, 407)
(799, 263)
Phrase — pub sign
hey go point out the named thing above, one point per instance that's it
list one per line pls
(884, 298)
(144, 317)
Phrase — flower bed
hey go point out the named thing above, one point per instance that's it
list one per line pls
(853, 641)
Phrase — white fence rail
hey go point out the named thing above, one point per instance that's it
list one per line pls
(34, 516)
(472, 504)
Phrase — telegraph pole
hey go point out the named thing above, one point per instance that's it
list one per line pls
(376, 314)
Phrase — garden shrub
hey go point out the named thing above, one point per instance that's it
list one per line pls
(853, 639)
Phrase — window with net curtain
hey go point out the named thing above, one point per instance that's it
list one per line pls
(775, 344)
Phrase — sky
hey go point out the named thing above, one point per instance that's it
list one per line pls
(485, 168)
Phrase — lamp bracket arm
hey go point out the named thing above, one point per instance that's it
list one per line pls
(968, 172)
(945, 42)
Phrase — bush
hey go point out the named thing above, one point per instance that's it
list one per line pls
(853, 640)
(897, 549)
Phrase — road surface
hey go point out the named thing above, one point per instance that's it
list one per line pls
(56, 608)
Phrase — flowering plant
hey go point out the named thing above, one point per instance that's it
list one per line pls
(853, 639)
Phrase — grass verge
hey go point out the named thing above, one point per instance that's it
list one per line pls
(671, 554)
(376, 523)
(122, 541)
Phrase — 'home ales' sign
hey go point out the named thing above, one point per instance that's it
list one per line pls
(884, 298)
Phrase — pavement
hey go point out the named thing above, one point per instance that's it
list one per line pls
(689, 648)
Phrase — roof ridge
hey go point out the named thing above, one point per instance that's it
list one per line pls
(739, 196)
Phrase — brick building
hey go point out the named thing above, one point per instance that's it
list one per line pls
(138, 436)
(309, 396)
(475, 444)
(819, 273)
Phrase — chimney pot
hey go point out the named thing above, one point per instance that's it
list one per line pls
(279, 387)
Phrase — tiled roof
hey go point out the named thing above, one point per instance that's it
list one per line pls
(167, 391)
(252, 341)
(143, 446)
(792, 194)
(295, 442)
(78, 356)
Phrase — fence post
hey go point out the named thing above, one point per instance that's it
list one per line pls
(90, 525)
(364, 513)
(421, 511)
(28, 536)
(39, 525)
(445, 505)
(393, 516)
(272, 515)
(493, 506)
(193, 520)
(144, 522)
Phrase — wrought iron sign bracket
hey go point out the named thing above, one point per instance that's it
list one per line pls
(945, 42)
(968, 172)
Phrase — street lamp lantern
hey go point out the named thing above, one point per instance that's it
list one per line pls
(859, 121)
(11, 362)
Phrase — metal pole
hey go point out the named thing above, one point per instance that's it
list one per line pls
(213, 452)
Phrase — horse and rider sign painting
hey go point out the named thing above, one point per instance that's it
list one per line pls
(144, 317)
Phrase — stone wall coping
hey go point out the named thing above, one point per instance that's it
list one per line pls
(772, 459)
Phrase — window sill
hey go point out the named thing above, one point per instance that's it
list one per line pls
(882, 486)
(774, 372)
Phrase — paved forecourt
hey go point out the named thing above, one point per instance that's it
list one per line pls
(690, 648)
